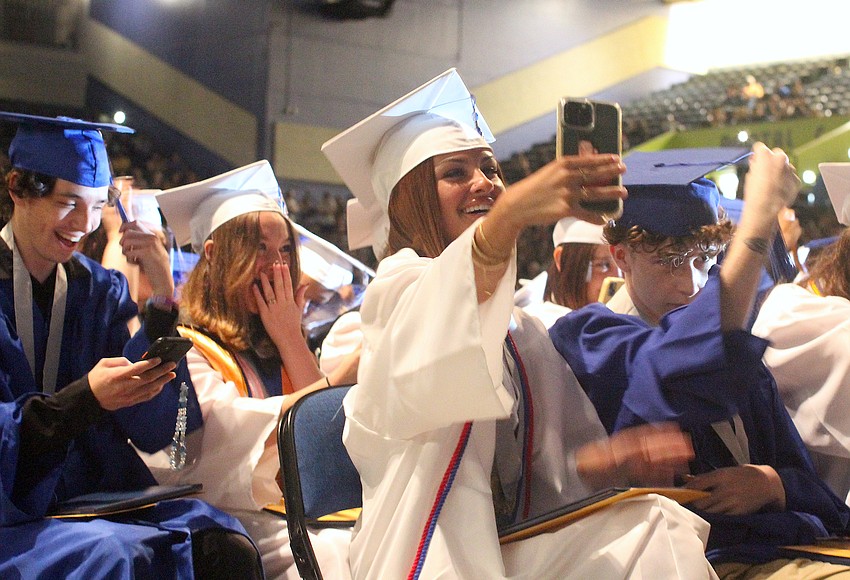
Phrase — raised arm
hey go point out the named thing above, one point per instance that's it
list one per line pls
(770, 185)
(547, 195)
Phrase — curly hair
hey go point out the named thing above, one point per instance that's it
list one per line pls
(707, 238)
(22, 183)
(831, 273)
(214, 295)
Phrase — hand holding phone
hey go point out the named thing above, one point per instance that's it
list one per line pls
(169, 348)
(588, 127)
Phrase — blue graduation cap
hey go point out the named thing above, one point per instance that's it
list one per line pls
(668, 192)
(821, 243)
(70, 149)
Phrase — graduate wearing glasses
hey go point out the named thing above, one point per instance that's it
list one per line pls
(672, 345)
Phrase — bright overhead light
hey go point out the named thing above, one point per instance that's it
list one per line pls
(119, 117)
(809, 176)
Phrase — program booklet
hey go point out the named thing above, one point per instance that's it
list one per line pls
(567, 514)
(114, 502)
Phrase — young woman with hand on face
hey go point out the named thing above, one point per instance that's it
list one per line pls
(242, 307)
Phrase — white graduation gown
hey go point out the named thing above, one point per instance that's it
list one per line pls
(229, 455)
(809, 357)
(432, 360)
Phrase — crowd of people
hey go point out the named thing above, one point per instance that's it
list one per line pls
(660, 348)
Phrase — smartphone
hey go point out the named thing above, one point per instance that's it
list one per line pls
(587, 126)
(610, 285)
(169, 348)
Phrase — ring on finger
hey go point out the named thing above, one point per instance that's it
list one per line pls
(272, 301)
(583, 175)
(584, 193)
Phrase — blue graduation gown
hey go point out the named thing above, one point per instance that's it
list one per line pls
(686, 370)
(98, 307)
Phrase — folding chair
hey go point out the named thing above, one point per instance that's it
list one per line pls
(318, 475)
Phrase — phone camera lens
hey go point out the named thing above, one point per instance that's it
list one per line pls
(579, 114)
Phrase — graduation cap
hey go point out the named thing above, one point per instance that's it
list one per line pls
(62, 147)
(327, 264)
(572, 230)
(144, 207)
(343, 278)
(668, 193)
(196, 210)
(821, 243)
(836, 177)
(372, 156)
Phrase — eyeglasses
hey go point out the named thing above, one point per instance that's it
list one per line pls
(674, 261)
(603, 266)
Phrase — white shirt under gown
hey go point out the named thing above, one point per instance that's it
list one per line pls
(809, 357)
(432, 360)
(229, 455)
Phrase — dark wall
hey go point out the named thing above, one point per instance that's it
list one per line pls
(220, 43)
(204, 162)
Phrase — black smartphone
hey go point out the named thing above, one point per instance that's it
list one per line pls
(586, 126)
(169, 348)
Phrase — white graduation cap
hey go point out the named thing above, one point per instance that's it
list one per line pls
(196, 210)
(144, 207)
(836, 178)
(572, 230)
(327, 264)
(372, 156)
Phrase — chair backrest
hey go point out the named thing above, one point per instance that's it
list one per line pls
(319, 477)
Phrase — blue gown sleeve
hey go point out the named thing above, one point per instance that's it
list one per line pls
(685, 370)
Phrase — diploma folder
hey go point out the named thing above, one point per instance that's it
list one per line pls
(567, 514)
(114, 502)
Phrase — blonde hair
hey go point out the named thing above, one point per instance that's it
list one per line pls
(214, 296)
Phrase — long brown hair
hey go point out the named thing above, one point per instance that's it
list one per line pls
(831, 273)
(214, 295)
(566, 282)
(414, 212)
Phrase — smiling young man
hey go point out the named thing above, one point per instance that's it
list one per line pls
(69, 400)
(671, 345)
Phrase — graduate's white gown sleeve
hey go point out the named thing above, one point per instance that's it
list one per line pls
(809, 357)
(432, 360)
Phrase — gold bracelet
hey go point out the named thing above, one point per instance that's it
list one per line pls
(483, 258)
